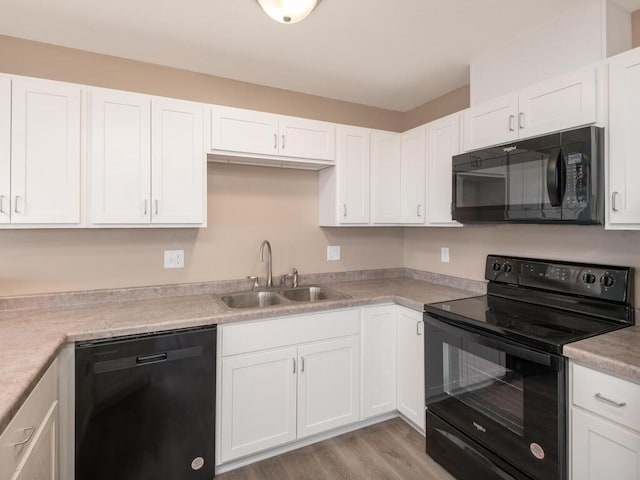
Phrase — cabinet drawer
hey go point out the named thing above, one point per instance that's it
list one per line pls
(597, 392)
(281, 332)
(20, 434)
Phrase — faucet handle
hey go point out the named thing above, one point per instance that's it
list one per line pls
(294, 275)
(256, 283)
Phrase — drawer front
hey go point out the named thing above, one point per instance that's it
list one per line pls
(21, 432)
(281, 332)
(606, 395)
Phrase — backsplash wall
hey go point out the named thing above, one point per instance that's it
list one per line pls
(470, 245)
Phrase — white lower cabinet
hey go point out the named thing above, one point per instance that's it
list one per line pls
(41, 461)
(258, 401)
(328, 385)
(605, 426)
(410, 365)
(378, 360)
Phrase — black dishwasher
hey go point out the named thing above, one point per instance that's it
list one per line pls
(145, 407)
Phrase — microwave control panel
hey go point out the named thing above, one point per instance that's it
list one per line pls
(577, 181)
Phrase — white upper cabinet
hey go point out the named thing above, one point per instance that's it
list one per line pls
(120, 157)
(386, 153)
(491, 123)
(413, 176)
(443, 142)
(238, 130)
(623, 203)
(178, 162)
(560, 103)
(45, 152)
(5, 150)
(258, 135)
(146, 160)
(344, 189)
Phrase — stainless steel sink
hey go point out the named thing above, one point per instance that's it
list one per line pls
(252, 299)
(311, 294)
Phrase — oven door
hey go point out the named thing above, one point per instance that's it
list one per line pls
(506, 397)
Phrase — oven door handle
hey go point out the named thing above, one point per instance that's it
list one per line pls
(545, 359)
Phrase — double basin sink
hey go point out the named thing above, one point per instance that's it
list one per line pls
(281, 296)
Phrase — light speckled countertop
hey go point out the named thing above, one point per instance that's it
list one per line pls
(615, 352)
(30, 338)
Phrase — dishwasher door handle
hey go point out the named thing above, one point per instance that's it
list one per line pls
(155, 358)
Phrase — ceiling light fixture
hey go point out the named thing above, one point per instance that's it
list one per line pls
(288, 11)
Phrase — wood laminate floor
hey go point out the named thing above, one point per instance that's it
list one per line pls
(390, 450)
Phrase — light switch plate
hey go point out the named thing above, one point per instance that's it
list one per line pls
(333, 253)
(174, 259)
(444, 254)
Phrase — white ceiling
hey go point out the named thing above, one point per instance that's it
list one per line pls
(395, 54)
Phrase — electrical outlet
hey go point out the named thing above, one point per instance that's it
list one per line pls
(444, 254)
(333, 253)
(174, 259)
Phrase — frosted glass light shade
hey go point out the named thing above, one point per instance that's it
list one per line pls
(288, 11)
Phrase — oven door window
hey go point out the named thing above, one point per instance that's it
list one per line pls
(480, 377)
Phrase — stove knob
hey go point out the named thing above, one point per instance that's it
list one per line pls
(507, 268)
(496, 267)
(588, 278)
(607, 281)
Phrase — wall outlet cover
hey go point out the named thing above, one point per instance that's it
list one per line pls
(444, 254)
(174, 259)
(333, 253)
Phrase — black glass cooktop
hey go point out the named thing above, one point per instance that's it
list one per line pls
(534, 325)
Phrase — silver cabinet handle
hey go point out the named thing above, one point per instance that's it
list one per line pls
(344, 209)
(275, 141)
(512, 119)
(2, 197)
(302, 364)
(29, 431)
(521, 120)
(294, 365)
(146, 207)
(283, 142)
(156, 205)
(15, 206)
(418, 331)
(418, 210)
(614, 207)
(608, 401)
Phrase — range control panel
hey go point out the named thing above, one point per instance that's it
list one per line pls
(591, 280)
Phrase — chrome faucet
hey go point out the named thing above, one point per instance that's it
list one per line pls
(269, 260)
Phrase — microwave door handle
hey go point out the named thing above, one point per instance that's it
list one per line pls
(553, 178)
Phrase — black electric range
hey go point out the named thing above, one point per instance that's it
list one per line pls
(495, 376)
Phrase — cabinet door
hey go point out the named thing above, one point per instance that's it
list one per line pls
(41, 461)
(491, 123)
(302, 138)
(601, 450)
(410, 366)
(623, 204)
(178, 162)
(443, 142)
(379, 360)
(386, 150)
(413, 176)
(328, 385)
(5, 149)
(45, 152)
(558, 104)
(258, 402)
(120, 157)
(247, 131)
(353, 174)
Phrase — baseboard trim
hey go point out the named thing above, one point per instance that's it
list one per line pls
(242, 462)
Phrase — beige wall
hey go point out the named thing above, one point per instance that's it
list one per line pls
(635, 28)
(246, 205)
(450, 103)
(470, 245)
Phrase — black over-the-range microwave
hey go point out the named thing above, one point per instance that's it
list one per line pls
(556, 178)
